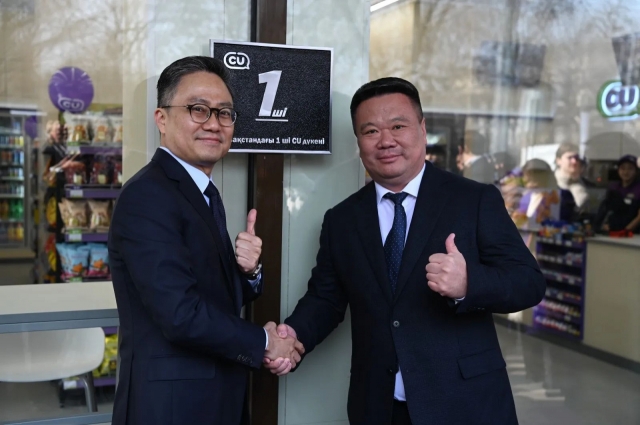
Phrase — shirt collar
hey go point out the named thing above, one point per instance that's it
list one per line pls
(412, 188)
(199, 177)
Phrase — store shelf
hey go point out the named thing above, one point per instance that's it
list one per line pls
(11, 147)
(103, 381)
(86, 237)
(92, 192)
(95, 149)
(12, 179)
(11, 245)
(4, 196)
(12, 220)
(565, 297)
(558, 315)
(559, 260)
(562, 277)
(11, 164)
(110, 330)
(548, 328)
(568, 244)
(80, 279)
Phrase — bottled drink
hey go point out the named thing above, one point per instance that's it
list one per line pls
(19, 233)
(11, 233)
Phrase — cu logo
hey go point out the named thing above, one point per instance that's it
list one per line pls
(616, 100)
(236, 60)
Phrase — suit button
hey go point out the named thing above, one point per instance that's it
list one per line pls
(391, 372)
(396, 324)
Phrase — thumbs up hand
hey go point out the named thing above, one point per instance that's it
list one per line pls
(249, 246)
(447, 273)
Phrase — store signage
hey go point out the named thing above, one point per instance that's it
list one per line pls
(618, 102)
(71, 89)
(282, 95)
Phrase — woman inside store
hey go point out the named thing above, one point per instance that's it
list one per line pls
(620, 211)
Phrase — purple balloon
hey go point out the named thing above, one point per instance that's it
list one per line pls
(31, 126)
(71, 89)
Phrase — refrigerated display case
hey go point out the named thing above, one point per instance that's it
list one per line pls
(17, 194)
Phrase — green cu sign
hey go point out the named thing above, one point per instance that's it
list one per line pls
(618, 102)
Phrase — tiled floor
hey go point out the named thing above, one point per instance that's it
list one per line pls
(552, 386)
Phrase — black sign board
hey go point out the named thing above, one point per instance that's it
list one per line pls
(282, 95)
(627, 51)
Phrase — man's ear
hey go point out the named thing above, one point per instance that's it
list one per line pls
(160, 117)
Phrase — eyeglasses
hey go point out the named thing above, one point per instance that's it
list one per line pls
(201, 114)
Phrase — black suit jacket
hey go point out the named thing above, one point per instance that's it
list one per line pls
(184, 351)
(451, 363)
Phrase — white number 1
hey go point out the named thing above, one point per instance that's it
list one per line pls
(272, 78)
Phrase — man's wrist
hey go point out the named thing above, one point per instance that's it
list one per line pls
(253, 275)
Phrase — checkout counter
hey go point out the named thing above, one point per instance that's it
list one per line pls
(611, 295)
(612, 299)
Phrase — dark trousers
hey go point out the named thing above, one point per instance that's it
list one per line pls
(400, 413)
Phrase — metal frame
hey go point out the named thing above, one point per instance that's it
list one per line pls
(212, 43)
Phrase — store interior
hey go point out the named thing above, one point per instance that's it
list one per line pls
(523, 87)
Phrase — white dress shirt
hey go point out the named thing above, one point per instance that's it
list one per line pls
(202, 181)
(385, 219)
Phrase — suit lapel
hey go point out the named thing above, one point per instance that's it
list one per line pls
(369, 233)
(432, 197)
(190, 190)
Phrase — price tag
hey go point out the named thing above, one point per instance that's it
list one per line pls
(74, 237)
(76, 193)
(69, 385)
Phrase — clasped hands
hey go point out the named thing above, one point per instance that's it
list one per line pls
(284, 351)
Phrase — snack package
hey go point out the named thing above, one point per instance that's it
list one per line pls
(74, 214)
(74, 172)
(117, 171)
(74, 259)
(77, 128)
(100, 217)
(101, 130)
(98, 260)
(116, 123)
(99, 170)
(109, 363)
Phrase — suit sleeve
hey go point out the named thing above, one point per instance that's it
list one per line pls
(324, 305)
(507, 277)
(146, 232)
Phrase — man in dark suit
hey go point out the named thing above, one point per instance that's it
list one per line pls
(185, 351)
(423, 258)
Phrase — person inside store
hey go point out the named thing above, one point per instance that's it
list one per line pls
(422, 257)
(473, 158)
(185, 351)
(620, 210)
(537, 174)
(569, 170)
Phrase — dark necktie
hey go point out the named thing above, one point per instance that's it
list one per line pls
(215, 203)
(394, 245)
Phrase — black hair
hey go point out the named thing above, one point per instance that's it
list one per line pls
(382, 86)
(171, 75)
(475, 142)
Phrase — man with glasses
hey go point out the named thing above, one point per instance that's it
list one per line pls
(179, 285)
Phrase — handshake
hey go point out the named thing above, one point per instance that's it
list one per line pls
(284, 351)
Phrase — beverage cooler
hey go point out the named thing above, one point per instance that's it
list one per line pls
(17, 196)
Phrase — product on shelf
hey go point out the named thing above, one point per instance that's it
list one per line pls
(74, 172)
(100, 218)
(74, 214)
(100, 170)
(101, 130)
(108, 366)
(116, 122)
(80, 260)
(50, 211)
(74, 259)
(77, 128)
(117, 171)
(99, 260)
